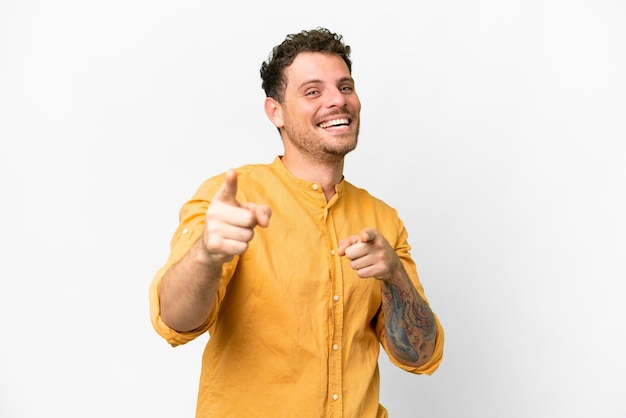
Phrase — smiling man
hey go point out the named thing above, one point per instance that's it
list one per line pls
(298, 276)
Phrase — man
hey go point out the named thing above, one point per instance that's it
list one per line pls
(296, 307)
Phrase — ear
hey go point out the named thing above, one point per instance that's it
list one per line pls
(274, 112)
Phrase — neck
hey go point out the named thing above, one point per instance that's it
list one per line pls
(327, 173)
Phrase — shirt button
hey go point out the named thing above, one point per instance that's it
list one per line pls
(335, 347)
(332, 252)
(315, 186)
(336, 298)
(185, 231)
(335, 396)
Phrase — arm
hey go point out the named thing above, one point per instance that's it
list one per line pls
(188, 288)
(409, 322)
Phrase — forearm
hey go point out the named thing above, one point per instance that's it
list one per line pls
(409, 322)
(188, 289)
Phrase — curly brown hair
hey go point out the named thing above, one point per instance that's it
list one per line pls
(281, 57)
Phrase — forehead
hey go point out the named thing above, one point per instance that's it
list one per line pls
(316, 66)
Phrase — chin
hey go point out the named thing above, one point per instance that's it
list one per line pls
(343, 151)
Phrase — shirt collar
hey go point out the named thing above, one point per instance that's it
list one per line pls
(310, 187)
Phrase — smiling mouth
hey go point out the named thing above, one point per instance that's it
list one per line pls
(334, 123)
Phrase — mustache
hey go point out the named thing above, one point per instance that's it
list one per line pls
(340, 113)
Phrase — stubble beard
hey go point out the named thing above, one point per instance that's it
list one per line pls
(321, 148)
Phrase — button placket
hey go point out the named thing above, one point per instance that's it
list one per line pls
(335, 388)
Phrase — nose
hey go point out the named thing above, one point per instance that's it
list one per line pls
(336, 98)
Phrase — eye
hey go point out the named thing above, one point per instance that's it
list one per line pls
(312, 93)
(346, 89)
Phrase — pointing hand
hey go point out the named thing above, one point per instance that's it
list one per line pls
(229, 223)
(370, 254)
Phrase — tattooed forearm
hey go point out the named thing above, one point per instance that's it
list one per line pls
(409, 322)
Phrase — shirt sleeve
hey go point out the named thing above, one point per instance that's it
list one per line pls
(189, 230)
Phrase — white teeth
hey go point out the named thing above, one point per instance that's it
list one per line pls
(334, 123)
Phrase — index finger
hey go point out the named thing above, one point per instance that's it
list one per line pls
(228, 192)
(367, 235)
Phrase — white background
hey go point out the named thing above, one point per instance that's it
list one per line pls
(496, 128)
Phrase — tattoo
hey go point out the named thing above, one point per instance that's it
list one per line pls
(411, 322)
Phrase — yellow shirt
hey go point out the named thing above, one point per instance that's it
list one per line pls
(295, 332)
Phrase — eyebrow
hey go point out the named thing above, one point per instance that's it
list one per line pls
(316, 81)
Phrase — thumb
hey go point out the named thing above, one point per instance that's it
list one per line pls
(262, 213)
(343, 244)
(228, 192)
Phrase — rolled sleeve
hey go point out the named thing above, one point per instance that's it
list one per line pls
(189, 230)
(173, 337)
(431, 365)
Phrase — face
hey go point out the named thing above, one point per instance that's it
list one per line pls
(320, 111)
